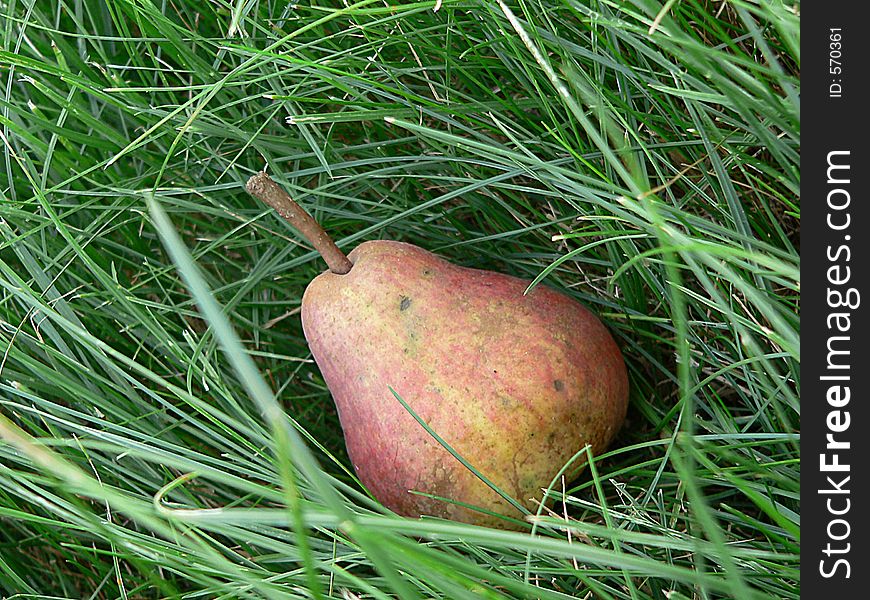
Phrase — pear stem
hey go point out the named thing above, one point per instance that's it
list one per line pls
(262, 186)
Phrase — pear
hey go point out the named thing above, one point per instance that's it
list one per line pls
(515, 383)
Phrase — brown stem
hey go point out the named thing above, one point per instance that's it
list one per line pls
(261, 186)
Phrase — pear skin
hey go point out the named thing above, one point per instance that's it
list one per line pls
(515, 384)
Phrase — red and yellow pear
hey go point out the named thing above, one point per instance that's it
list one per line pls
(515, 383)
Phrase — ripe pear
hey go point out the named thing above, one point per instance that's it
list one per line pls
(515, 383)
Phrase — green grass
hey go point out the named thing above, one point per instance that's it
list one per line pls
(163, 429)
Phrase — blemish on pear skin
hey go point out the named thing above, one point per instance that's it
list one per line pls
(404, 303)
(558, 385)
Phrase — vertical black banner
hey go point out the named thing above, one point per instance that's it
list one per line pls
(835, 46)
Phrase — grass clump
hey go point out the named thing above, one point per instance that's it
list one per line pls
(163, 430)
